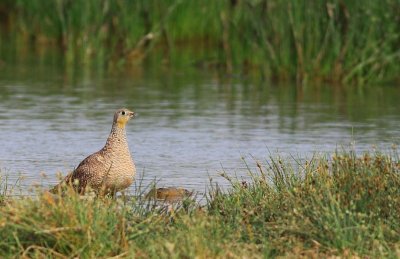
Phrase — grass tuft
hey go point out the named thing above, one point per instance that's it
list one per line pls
(344, 205)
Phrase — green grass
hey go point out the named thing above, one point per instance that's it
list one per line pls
(3, 190)
(337, 41)
(344, 205)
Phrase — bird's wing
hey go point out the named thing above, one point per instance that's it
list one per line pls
(91, 170)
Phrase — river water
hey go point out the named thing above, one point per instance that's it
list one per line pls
(191, 124)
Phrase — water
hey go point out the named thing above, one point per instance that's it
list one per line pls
(191, 124)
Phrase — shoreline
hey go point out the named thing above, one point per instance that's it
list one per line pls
(346, 206)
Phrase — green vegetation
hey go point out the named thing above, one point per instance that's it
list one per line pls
(346, 205)
(3, 190)
(338, 41)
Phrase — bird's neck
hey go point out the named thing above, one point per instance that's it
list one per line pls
(117, 136)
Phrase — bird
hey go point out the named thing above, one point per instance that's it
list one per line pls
(169, 194)
(109, 170)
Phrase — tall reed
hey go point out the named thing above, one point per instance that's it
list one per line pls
(337, 41)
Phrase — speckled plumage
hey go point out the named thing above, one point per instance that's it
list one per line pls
(110, 169)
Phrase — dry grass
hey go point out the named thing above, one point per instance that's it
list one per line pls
(346, 205)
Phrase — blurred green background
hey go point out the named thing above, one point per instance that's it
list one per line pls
(334, 41)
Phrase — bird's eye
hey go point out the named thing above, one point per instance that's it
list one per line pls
(123, 112)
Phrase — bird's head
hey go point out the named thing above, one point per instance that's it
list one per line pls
(122, 116)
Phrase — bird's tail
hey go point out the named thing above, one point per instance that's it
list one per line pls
(62, 186)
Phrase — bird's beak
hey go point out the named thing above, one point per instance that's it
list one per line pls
(132, 114)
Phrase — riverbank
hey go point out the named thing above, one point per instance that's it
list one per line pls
(305, 41)
(344, 205)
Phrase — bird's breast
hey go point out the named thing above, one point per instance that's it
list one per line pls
(122, 171)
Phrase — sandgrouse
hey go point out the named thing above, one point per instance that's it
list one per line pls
(110, 169)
